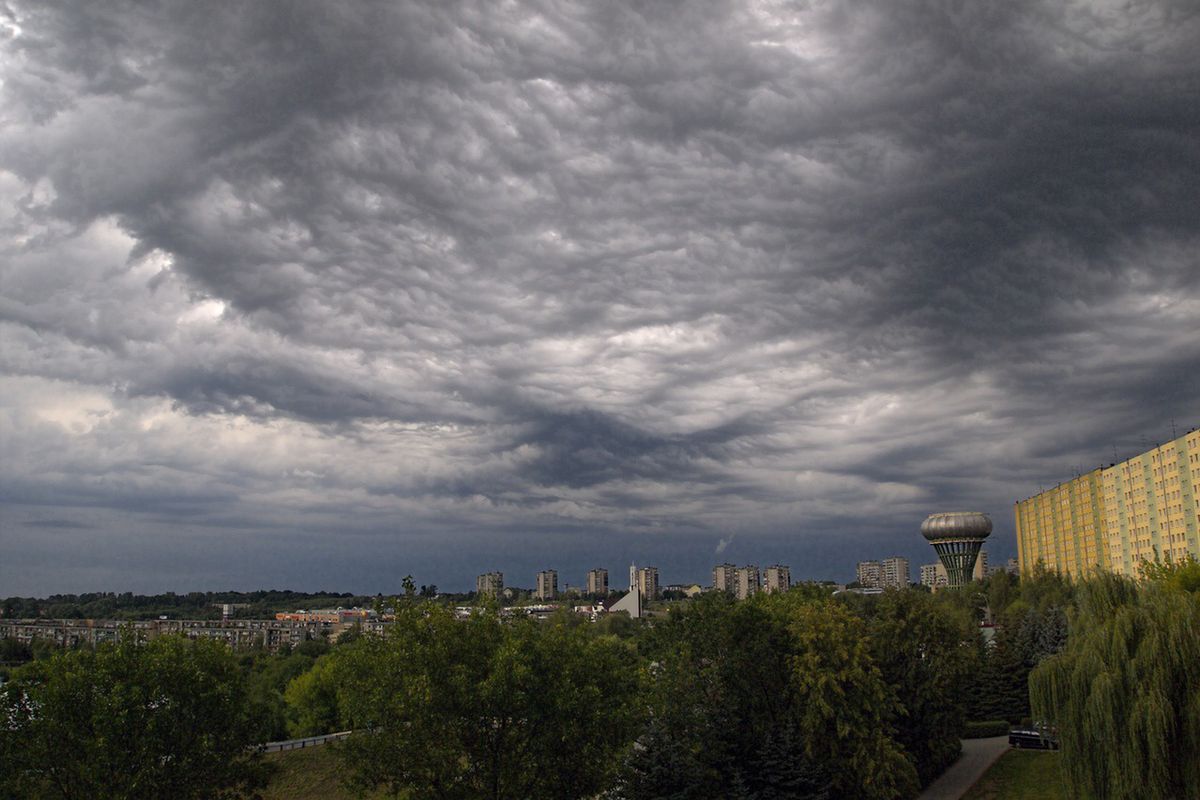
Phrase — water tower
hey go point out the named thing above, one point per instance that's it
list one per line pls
(956, 537)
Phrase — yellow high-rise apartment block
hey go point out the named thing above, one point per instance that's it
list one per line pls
(1117, 517)
(1064, 527)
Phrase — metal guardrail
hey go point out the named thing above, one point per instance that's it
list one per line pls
(296, 744)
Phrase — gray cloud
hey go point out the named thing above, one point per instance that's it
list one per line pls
(444, 275)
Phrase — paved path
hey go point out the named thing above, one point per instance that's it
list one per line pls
(977, 756)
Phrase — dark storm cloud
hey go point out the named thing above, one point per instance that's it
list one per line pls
(466, 269)
(57, 523)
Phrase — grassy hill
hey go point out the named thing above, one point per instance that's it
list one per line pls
(313, 773)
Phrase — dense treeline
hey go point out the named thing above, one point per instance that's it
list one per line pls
(167, 718)
(800, 695)
(192, 605)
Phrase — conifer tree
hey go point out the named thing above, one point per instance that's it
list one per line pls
(781, 771)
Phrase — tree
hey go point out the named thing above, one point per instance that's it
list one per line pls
(847, 709)
(661, 766)
(722, 717)
(1001, 687)
(479, 708)
(14, 652)
(312, 704)
(1183, 575)
(266, 679)
(927, 652)
(1124, 694)
(133, 720)
(780, 770)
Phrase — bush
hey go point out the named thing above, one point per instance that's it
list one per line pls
(986, 729)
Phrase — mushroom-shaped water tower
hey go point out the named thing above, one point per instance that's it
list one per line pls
(956, 536)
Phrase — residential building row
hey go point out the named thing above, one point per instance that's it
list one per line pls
(1115, 518)
(746, 581)
(743, 582)
(887, 573)
(491, 584)
(935, 577)
(242, 634)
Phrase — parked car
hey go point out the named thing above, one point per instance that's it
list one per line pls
(1035, 737)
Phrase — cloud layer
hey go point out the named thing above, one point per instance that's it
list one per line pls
(480, 285)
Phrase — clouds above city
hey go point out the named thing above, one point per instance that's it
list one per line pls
(455, 286)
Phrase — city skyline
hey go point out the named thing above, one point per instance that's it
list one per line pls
(312, 295)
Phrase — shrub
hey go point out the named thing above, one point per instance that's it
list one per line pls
(986, 729)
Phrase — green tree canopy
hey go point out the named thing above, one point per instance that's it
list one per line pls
(721, 718)
(778, 696)
(448, 709)
(847, 709)
(164, 718)
(312, 703)
(928, 653)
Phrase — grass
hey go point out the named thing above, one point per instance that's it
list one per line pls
(1021, 775)
(313, 773)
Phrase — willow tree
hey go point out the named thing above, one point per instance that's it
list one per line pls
(1125, 693)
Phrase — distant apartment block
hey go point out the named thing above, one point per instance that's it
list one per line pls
(776, 578)
(933, 575)
(547, 584)
(870, 574)
(747, 582)
(597, 581)
(893, 572)
(647, 582)
(490, 584)
(333, 616)
(724, 578)
(1116, 517)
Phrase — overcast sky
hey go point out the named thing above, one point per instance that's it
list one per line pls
(315, 295)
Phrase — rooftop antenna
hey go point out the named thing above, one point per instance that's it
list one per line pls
(1174, 436)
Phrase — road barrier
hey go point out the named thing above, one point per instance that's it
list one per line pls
(296, 744)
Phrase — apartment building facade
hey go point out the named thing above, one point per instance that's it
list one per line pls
(776, 578)
(747, 582)
(933, 575)
(547, 584)
(893, 572)
(597, 581)
(724, 578)
(647, 582)
(490, 584)
(869, 574)
(1117, 517)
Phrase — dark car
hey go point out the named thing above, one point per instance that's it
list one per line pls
(1033, 737)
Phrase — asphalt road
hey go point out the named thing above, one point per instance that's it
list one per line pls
(977, 756)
